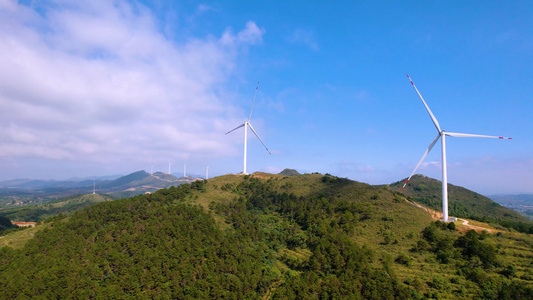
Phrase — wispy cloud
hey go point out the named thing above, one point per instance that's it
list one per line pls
(273, 170)
(351, 167)
(252, 34)
(307, 38)
(98, 81)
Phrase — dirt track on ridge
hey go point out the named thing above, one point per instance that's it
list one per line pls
(464, 227)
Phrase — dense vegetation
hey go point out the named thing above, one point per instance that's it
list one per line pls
(476, 260)
(275, 237)
(463, 203)
(5, 223)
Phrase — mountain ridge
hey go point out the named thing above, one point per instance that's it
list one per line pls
(462, 203)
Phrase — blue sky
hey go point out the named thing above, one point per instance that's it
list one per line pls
(99, 88)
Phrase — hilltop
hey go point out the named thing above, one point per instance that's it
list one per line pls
(462, 203)
(289, 172)
(265, 236)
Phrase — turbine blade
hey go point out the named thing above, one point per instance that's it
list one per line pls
(435, 122)
(421, 160)
(250, 116)
(236, 128)
(476, 135)
(259, 138)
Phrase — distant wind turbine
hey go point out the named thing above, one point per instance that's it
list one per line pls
(206, 173)
(184, 170)
(169, 167)
(247, 124)
(442, 135)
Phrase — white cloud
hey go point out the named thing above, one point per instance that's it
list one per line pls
(352, 168)
(250, 35)
(98, 81)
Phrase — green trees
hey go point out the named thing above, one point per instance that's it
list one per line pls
(5, 223)
(270, 241)
(146, 245)
(472, 246)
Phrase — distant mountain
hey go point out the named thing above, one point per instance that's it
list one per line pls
(515, 199)
(289, 172)
(180, 175)
(125, 182)
(26, 191)
(95, 178)
(462, 202)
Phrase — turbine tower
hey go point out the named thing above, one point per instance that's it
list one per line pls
(206, 173)
(169, 168)
(442, 135)
(247, 124)
(184, 170)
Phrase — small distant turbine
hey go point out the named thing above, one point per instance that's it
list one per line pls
(169, 167)
(184, 170)
(247, 124)
(442, 135)
(206, 173)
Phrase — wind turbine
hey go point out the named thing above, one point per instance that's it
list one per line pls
(442, 135)
(247, 124)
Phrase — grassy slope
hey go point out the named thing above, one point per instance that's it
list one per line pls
(393, 222)
(393, 227)
(18, 239)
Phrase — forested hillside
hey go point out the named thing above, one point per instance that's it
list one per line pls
(462, 203)
(265, 237)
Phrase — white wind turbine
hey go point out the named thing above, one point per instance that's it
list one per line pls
(247, 124)
(442, 135)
